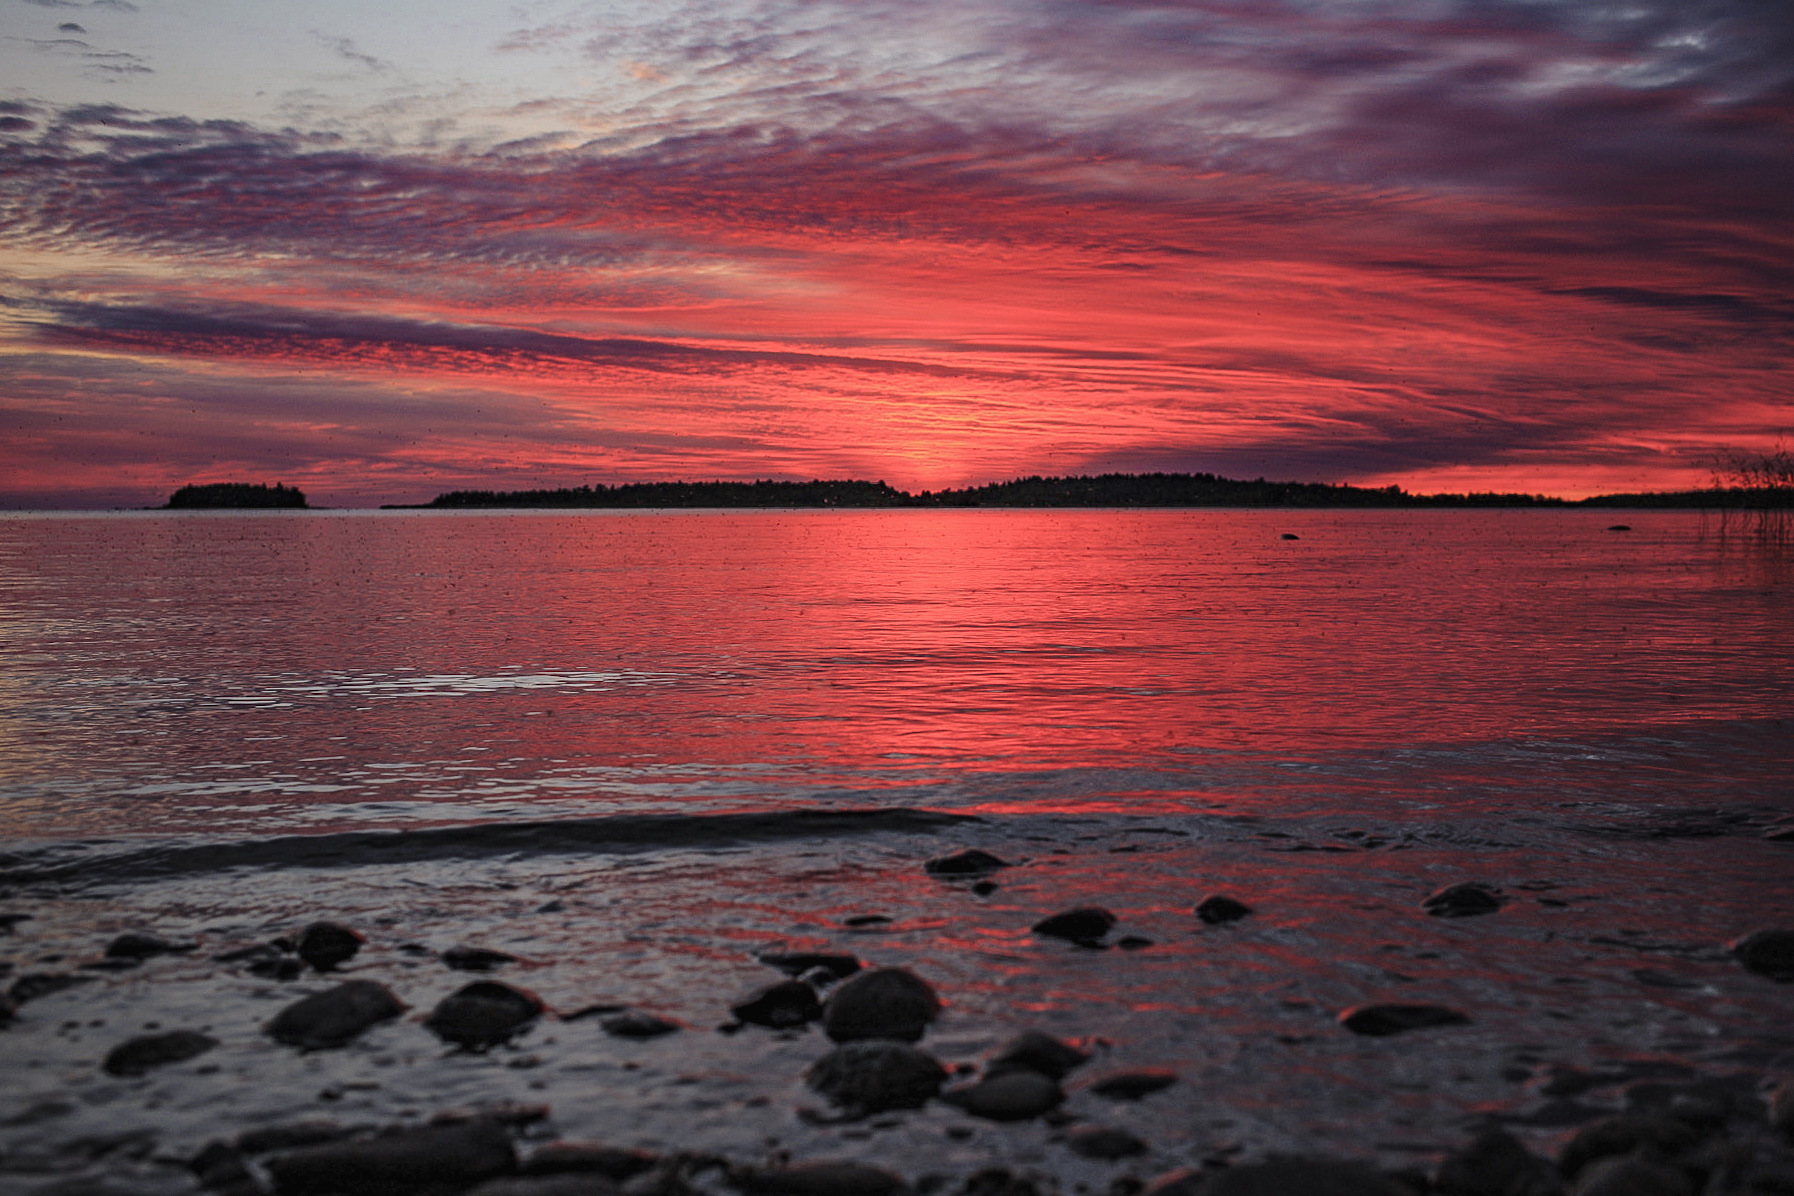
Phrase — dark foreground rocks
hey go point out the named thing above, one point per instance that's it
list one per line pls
(882, 1003)
(780, 1005)
(1016, 1095)
(965, 863)
(325, 945)
(1217, 909)
(484, 1014)
(875, 1075)
(822, 1179)
(1038, 1052)
(1467, 900)
(1085, 925)
(1380, 1021)
(137, 1056)
(445, 1158)
(1497, 1164)
(1767, 953)
(336, 1016)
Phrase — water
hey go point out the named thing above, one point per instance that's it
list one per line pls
(1138, 707)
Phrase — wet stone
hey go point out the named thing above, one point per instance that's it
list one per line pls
(1632, 1177)
(32, 985)
(1497, 1164)
(475, 959)
(554, 1158)
(1218, 909)
(875, 1075)
(1038, 1052)
(1302, 1177)
(335, 1016)
(433, 1158)
(1380, 1021)
(135, 945)
(220, 1168)
(137, 1056)
(1613, 1137)
(882, 1003)
(1466, 900)
(965, 863)
(782, 1005)
(638, 1023)
(290, 1135)
(823, 1179)
(1767, 953)
(1103, 1142)
(1011, 1096)
(998, 1181)
(985, 888)
(10, 919)
(325, 945)
(796, 963)
(1087, 924)
(483, 1014)
(1134, 1084)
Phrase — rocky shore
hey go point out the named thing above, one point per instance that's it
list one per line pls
(868, 1037)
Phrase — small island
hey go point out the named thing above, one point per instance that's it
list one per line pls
(235, 496)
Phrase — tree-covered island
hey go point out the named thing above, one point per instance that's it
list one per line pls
(235, 496)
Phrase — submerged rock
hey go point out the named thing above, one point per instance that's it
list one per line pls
(1038, 1052)
(1632, 1176)
(1217, 909)
(965, 863)
(1104, 1142)
(335, 1016)
(796, 963)
(1767, 953)
(1613, 1137)
(324, 945)
(882, 1003)
(780, 1005)
(139, 946)
(1497, 1164)
(1135, 1083)
(555, 1158)
(137, 1056)
(1380, 1021)
(876, 1074)
(1011, 1096)
(638, 1023)
(823, 1179)
(475, 959)
(32, 985)
(433, 1158)
(484, 1014)
(1465, 900)
(1084, 925)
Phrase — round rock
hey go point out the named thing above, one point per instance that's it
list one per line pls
(965, 863)
(782, 1005)
(484, 1014)
(1085, 924)
(1104, 1142)
(137, 945)
(882, 1003)
(1038, 1052)
(1497, 1164)
(1012, 1096)
(137, 1056)
(874, 1075)
(1632, 1176)
(1132, 1085)
(335, 1016)
(1767, 953)
(638, 1023)
(1217, 909)
(475, 959)
(324, 945)
(1465, 900)
(1380, 1021)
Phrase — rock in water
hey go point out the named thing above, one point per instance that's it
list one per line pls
(1038, 1052)
(874, 1075)
(572, 1183)
(1217, 909)
(1612, 1137)
(139, 946)
(1632, 1177)
(1767, 953)
(1303, 1177)
(781, 1005)
(882, 1003)
(1380, 1021)
(1084, 925)
(1132, 1085)
(796, 963)
(1497, 1164)
(1465, 900)
(554, 1158)
(324, 945)
(475, 959)
(153, 1050)
(484, 1014)
(638, 1023)
(1012, 1096)
(965, 863)
(32, 985)
(444, 1158)
(823, 1179)
(1104, 1142)
(335, 1016)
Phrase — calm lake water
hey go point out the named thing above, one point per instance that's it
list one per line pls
(1137, 708)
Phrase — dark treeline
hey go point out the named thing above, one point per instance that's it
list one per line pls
(220, 495)
(1106, 490)
(1729, 498)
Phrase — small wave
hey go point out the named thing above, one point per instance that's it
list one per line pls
(89, 864)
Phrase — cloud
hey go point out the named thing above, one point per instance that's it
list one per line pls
(345, 49)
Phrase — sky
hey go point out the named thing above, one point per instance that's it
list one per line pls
(383, 251)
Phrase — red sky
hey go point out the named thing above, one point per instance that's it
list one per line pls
(1496, 245)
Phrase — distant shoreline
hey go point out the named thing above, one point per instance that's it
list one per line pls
(1106, 490)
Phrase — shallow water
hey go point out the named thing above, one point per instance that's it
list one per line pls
(221, 726)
